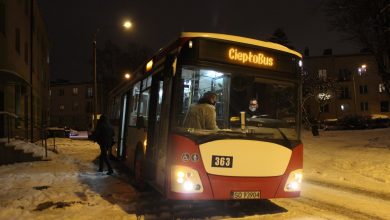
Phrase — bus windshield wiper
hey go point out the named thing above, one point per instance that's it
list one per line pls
(284, 136)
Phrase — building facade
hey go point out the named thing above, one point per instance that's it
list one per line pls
(71, 105)
(24, 70)
(361, 91)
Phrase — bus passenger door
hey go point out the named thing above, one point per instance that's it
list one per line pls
(123, 127)
(158, 133)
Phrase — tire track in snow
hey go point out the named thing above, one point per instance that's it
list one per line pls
(345, 201)
(364, 192)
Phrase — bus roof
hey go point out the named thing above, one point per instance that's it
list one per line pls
(246, 40)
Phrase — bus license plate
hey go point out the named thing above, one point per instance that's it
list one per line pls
(246, 195)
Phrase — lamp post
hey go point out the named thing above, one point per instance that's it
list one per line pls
(362, 69)
(127, 25)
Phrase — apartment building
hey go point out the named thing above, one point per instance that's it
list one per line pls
(24, 70)
(361, 90)
(71, 105)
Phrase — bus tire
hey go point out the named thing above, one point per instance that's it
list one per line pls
(139, 177)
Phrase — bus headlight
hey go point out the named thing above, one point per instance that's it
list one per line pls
(294, 181)
(185, 180)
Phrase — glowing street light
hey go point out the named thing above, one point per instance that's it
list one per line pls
(127, 76)
(127, 25)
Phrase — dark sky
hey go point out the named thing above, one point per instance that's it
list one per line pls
(72, 23)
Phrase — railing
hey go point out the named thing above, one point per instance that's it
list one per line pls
(10, 132)
(9, 116)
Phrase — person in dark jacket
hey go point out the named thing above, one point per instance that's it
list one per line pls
(103, 135)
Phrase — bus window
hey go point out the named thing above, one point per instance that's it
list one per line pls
(134, 104)
(197, 81)
(144, 101)
(277, 102)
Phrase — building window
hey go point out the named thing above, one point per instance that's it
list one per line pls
(75, 91)
(75, 106)
(2, 17)
(344, 93)
(364, 106)
(382, 87)
(344, 74)
(384, 106)
(89, 92)
(322, 74)
(17, 40)
(324, 108)
(363, 89)
(61, 92)
(61, 107)
(344, 107)
(88, 108)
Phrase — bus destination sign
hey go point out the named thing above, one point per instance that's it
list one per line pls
(250, 57)
(255, 57)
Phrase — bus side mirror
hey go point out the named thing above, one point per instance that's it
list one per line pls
(140, 122)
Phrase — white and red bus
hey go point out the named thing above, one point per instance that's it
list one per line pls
(246, 158)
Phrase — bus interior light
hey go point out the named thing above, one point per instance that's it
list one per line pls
(149, 65)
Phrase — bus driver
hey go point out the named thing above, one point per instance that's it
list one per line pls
(253, 109)
(202, 115)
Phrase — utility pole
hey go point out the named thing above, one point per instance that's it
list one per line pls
(31, 71)
(95, 109)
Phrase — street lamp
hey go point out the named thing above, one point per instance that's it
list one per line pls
(127, 76)
(362, 69)
(127, 25)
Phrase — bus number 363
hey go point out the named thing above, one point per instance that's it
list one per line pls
(221, 161)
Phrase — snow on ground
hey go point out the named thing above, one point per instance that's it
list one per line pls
(346, 176)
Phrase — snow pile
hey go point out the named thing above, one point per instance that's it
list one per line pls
(37, 150)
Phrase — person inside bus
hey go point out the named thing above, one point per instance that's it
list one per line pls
(253, 109)
(103, 135)
(202, 115)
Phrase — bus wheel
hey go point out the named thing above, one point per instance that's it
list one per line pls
(139, 179)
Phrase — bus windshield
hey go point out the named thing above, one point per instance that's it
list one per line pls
(273, 104)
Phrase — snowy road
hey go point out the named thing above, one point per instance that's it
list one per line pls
(347, 176)
(326, 201)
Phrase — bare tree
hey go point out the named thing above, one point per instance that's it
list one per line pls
(366, 22)
(322, 90)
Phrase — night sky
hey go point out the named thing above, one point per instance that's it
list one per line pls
(72, 23)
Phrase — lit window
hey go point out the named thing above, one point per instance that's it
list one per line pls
(322, 74)
(344, 107)
(89, 92)
(75, 91)
(382, 87)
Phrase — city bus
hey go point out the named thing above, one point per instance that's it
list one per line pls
(245, 158)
